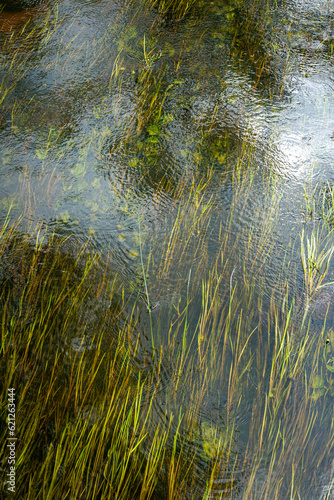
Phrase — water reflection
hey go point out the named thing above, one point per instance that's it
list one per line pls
(112, 121)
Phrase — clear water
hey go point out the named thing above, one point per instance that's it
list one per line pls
(67, 158)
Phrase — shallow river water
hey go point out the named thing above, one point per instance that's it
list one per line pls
(126, 128)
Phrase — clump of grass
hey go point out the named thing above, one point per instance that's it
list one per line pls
(80, 420)
(173, 8)
(326, 211)
(316, 254)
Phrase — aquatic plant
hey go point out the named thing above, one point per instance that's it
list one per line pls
(316, 256)
(192, 370)
(173, 8)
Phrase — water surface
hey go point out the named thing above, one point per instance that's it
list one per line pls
(112, 116)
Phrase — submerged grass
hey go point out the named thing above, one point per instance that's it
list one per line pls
(174, 9)
(101, 413)
(199, 381)
(79, 409)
